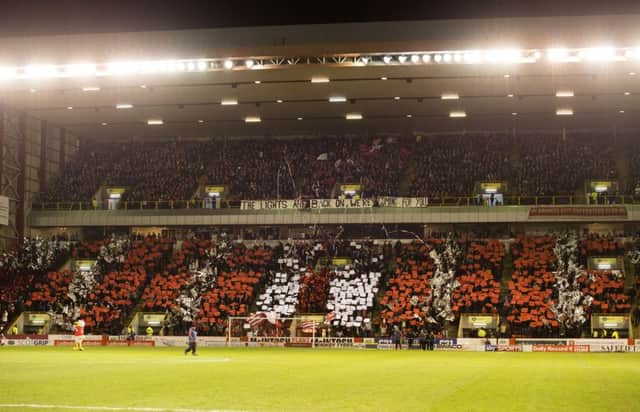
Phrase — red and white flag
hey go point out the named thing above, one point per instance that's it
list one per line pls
(329, 317)
(256, 318)
(308, 326)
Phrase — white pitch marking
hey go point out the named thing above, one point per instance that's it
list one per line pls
(107, 408)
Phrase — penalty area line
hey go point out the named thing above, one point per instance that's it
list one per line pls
(107, 408)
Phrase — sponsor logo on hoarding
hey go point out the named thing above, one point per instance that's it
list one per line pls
(560, 348)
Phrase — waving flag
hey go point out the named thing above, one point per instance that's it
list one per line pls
(329, 317)
(256, 318)
(308, 326)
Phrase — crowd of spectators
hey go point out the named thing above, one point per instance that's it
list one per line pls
(206, 281)
(117, 292)
(479, 277)
(529, 308)
(432, 166)
(240, 275)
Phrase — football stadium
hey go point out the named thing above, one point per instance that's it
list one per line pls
(437, 215)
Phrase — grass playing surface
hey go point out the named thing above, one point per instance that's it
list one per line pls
(274, 379)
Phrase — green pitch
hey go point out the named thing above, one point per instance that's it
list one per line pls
(249, 379)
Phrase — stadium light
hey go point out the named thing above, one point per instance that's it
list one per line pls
(426, 58)
(600, 54)
(564, 93)
(437, 58)
(202, 65)
(353, 116)
(7, 73)
(447, 58)
(320, 79)
(408, 116)
(252, 119)
(396, 98)
(450, 96)
(228, 64)
(279, 101)
(200, 121)
(229, 102)
(299, 118)
(39, 71)
(627, 93)
(458, 113)
(249, 63)
(124, 106)
(155, 122)
(91, 89)
(78, 70)
(514, 113)
(69, 107)
(564, 112)
(384, 78)
(337, 99)
(104, 123)
(387, 59)
(415, 59)
(402, 58)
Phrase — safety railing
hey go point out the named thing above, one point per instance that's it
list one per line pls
(516, 200)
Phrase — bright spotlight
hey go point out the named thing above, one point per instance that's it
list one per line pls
(155, 122)
(415, 59)
(228, 64)
(7, 72)
(39, 71)
(564, 93)
(564, 112)
(600, 53)
(353, 116)
(249, 63)
(437, 58)
(252, 119)
(447, 58)
(426, 58)
(387, 59)
(458, 113)
(402, 59)
(76, 70)
(202, 66)
(450, 96)
(558, 54)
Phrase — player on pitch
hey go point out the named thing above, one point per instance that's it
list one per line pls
(78, 335)
(193, 335)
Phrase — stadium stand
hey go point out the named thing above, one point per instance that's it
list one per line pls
(234, 289)
(531, 288)
(266, 169)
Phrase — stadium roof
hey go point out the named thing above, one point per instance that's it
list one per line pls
(484, 74)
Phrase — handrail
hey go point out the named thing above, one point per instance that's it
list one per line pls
(436, 201)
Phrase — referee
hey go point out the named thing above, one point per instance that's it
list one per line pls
(193, 335)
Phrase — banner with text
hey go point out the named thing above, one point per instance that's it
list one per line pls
(301, 204)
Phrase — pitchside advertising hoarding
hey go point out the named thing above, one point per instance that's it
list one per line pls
(386, 343)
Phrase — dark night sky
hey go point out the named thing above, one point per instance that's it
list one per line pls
(43, 17)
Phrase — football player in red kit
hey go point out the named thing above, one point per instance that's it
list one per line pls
(78, 334)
